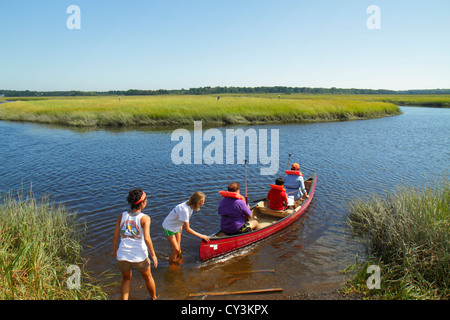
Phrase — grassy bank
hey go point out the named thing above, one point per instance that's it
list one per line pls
(440, 101)
(180, 110)
(406, 233)
(423, 100)
(38, 242)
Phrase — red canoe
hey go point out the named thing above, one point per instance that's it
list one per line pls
(271, 221)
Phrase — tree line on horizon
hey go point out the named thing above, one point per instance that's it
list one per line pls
(219, 90)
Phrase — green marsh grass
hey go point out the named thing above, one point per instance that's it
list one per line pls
(407, 233)
(183, 109)
(442, 101)
(424, 100)
(38, 241)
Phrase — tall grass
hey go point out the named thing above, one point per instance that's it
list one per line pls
(423, 100)
(418, 100)
(408, 233)
(38, 241)
(176, 110)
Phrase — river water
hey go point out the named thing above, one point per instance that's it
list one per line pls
(91, 172)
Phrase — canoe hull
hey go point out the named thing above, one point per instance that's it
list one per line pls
(221, 245)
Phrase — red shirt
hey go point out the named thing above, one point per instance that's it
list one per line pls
(276, 196)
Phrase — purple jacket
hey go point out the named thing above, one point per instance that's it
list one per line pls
(232, 212)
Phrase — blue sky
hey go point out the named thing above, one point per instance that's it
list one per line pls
(185, 44)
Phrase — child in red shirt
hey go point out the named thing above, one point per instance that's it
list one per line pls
(277, 196)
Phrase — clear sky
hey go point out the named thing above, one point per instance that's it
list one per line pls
(137, 44)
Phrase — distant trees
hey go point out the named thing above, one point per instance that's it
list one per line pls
(219, 90)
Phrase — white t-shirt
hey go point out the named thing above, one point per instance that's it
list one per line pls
(177, 217)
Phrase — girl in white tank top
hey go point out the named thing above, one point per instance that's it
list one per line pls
(132, 247)
(133, 229)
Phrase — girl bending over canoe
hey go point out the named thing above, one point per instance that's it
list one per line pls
(179, 217)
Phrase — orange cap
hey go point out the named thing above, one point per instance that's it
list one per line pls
(295, 166)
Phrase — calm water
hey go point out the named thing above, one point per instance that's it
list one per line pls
(91, 171)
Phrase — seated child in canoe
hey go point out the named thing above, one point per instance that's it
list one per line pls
(294, 183)
(277, 197)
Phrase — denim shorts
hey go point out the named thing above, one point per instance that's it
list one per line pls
(125, 266)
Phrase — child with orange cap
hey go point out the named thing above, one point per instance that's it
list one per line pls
(294, 183)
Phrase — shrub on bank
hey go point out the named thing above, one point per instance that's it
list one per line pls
(38, 242)
(407, 234)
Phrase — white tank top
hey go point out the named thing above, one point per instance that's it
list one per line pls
(132, 246)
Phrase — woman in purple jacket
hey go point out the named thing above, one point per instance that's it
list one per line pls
(234, 212)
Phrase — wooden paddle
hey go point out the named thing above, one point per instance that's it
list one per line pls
(223, 293)
(245, 177)
(287, 168)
